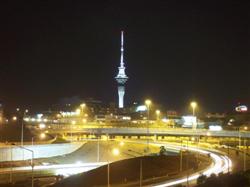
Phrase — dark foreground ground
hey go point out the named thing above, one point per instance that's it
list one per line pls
(239, 179)
(127, 172)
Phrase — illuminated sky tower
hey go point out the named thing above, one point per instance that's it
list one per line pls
(121, 77)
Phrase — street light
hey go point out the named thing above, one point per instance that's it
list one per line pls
(78, 111)
(121, 143)
(72, 123)
(148, 103)
(14, 118)
(83, 105)
(32, 163)
(26, 111)
(157, 112)
(115, 152)
(244, 128)
(244, 156)
(42, 135)
(193, 105)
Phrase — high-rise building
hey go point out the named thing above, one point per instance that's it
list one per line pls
(121, 77)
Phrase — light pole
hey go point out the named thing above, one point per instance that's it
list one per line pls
(115, 152)
(187, 166)
(193, 104)
(72, 123)
(141, 172)
(244, 155)
(98, 149)
(157, 112)
(181, 158)
(239, 139)
(11, 158)
(245, 128)
(32, 163)
(148, 103)
(83, 105)
(26, 111)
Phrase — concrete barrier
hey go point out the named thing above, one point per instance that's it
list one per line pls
(8, 153)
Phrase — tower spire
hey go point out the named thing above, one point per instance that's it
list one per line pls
(122, 49)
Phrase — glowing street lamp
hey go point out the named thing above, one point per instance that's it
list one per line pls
(42, 135)
(83, 105)
(157, 112)
(26, 111)
(193, 105)
(245, 129)
(78, 111)
(148, 103)
(121, 143)
(115, 152)
(14, 118)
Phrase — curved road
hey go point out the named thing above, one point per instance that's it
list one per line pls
(221, 163)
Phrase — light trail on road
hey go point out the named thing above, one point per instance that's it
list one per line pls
(221, 164)
(60, 169)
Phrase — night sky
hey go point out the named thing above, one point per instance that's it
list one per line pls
(175, 51)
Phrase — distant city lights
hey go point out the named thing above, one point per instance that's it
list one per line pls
(188, 121)
(215, 128)
(241, 108)
(141, 108)
(42, 125)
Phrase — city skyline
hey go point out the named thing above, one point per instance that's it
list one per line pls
(124, 93)
(184, 52)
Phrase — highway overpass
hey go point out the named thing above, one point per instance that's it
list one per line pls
(132, 131)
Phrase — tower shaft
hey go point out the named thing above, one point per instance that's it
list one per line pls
(121, 93)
